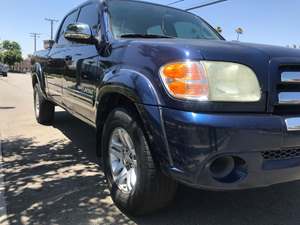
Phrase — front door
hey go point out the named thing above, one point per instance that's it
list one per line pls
(54, 71)
(83, 71)
(81, 79)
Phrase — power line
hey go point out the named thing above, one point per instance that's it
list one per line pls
(206, 4)
(52, 21)
(172, 3)
(35, 36)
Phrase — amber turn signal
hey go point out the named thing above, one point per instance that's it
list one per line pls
(185, 80)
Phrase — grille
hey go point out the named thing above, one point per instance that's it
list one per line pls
(281, 154)
(281, 87)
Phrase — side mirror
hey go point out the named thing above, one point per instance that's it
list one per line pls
(79, 32)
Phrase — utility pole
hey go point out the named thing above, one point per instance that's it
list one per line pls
(52, 21)
(35, 36)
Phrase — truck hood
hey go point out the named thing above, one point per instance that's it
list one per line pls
(215, 50)
(156, 52)
(210, 49)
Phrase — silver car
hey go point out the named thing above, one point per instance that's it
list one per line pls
(3, 69)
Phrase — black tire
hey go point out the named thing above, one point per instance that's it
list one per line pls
(153, 190)
(45, 114)
(4, 74)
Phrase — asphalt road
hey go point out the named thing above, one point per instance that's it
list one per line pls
(52, 176)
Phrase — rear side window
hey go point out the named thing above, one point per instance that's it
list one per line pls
(71, 18)
(90, 15)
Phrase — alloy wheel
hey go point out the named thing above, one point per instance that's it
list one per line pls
(122, 160)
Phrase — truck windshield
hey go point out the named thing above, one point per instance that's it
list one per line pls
(131, 19)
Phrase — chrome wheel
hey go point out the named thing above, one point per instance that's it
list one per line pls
(123, 160)
(36, 104)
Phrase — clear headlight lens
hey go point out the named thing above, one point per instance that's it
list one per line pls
(211, 81)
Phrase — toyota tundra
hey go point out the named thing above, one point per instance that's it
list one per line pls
(172, 101)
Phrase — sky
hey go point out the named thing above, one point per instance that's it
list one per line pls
(273, 22)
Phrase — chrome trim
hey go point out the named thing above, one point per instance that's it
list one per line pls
(290, 77)
(289, 98)
(293, 124)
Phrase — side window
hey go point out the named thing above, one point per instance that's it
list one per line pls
(71, 18)
(90, 15)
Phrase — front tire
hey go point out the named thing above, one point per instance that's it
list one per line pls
(137, 187)
(4, 74)
(44, 110)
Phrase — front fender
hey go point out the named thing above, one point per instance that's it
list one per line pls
(139, 89)
(132, 84)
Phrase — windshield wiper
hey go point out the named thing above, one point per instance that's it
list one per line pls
(144, 36)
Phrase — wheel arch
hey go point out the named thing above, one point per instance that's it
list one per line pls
(123, 87)
(38, 78)
(135, 91)
(108, 102)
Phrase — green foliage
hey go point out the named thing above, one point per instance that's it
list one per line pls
(10, 52)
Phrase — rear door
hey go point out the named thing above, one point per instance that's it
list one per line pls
(57, 59)
(83, 71)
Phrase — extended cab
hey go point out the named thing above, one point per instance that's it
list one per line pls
(172, 101)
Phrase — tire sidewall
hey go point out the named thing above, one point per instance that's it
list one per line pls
(122, 118)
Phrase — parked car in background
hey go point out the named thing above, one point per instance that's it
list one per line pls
(172, 101)
(4, 69)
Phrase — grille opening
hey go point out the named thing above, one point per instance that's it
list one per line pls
(281, 154)
(282, 87)
(289, 68)
(287, 110)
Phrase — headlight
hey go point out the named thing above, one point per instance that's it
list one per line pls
(211, 81)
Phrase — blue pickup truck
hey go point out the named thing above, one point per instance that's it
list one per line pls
(172, 101)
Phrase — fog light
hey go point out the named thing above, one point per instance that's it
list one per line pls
(222, 167)
(228, 169)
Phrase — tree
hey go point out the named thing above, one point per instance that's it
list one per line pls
(239, 32)
(219, 29)
(10, 52)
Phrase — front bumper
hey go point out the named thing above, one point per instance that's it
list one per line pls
(196, 140)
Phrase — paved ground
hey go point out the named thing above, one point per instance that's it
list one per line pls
(51, 176)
